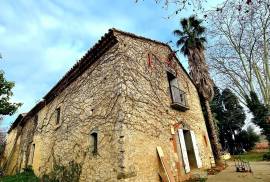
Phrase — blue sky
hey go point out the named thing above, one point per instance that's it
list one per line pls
(41, 40)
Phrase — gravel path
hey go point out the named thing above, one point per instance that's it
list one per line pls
(261, 173)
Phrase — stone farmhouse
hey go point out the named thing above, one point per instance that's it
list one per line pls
(126, 111)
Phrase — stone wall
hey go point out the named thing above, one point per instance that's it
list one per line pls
(91, 103)
(127, 102)
(11, 153)
(149, 116)
(26, 140)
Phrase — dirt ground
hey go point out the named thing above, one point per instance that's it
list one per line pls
(261, 173)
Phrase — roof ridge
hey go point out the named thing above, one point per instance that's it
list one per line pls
(137, 36)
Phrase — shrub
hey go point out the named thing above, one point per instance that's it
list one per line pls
(266, 156)
(27, 175)
(62, 173)
(28, 169)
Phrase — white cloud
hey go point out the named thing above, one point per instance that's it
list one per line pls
(61, 57)
(2, 29)
(49, 22)
(41, 38)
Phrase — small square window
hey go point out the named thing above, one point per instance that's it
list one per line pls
(94, 143)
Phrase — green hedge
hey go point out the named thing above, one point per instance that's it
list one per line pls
(266, 156)
(26, 176)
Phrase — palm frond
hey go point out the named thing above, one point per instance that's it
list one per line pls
(178, 33)
(181, 41)
(194, 21)
(200, 45)
(190, 38)
(200, 30)
(184, 23)
(191, 43)
(196, 24)
(184, 50)
(202, 39)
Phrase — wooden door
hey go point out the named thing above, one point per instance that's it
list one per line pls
(196, 149)
(184, 150)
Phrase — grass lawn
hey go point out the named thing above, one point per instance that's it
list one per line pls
(22, 177)
(251, 156)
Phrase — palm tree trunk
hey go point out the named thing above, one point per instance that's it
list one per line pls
(216, 147)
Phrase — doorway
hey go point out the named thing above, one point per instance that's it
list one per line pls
(189, 149)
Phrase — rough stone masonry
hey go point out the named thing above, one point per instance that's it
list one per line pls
(109, 113)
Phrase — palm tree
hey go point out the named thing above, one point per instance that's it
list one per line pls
(192, 43)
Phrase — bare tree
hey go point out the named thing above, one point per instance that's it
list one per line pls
(178, 6)
(197, 6)
(238, 50)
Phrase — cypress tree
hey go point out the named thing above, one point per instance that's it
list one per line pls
(230, 118)
(260, 112)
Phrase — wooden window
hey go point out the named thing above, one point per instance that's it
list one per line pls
(172, 80)
(184, 150)
(178, 96)
(94, 141)
(172, 85)
(58, 112)
(196, 150)
(189, 149)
